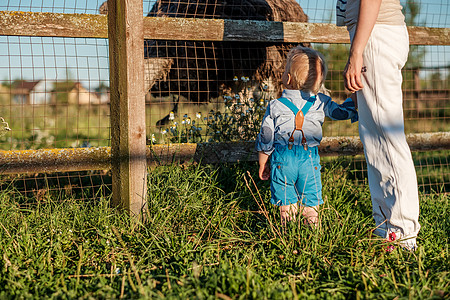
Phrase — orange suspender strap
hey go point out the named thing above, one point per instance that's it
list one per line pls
(299, 117)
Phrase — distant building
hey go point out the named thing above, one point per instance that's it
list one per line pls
(74, 93)
(55, 92)
(31, 92)
(4, 92)
(41, 93)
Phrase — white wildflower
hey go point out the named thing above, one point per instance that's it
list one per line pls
(198, 115)
(164, 132)
(188, 121)
(153, 138)
(171, 116)
(4, 127)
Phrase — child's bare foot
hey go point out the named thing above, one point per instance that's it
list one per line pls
(288, 213)
(311, 215)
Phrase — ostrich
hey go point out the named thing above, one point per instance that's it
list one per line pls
(200, 71)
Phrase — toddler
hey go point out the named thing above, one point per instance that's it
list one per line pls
(291, 131)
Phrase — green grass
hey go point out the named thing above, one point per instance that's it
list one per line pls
(206, 237)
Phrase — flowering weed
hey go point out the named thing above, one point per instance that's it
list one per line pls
(244, 108)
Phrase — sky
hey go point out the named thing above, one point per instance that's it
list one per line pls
(86, 60)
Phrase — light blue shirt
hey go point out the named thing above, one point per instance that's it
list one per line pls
(279, 121)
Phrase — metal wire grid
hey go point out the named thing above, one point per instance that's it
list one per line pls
(188, 79)
(432, 13)
(53, 6)
(187, 85)
(432, 170)
(54, 92)
(426, 103)
(38, 188)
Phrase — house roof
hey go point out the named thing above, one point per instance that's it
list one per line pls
(24, 85)
(66, 86)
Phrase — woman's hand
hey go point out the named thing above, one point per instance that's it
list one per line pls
(352, 73)
(368, 13)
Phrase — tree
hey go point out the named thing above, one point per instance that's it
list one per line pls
(416, 53)
(437, 82)
(336, 57)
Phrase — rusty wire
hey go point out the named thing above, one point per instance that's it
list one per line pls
(186, 78)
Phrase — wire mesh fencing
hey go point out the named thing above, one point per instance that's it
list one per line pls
(55, 90)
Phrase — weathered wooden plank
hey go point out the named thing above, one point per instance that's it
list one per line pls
(19, 23)
(315, 33)
(54, 160)
(159, 28)
(429, 36)
(128, 139)
(163, 28)
(79, 159)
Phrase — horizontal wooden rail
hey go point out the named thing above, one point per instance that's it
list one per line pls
(80, 159)
(161, 28)
(19, 23)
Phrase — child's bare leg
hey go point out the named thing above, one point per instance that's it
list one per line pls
(311, 214)
(288, 212)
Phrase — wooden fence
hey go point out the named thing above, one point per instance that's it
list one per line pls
(126, 29)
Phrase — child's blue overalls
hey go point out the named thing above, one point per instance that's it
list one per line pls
(295, 169)
(295, 176)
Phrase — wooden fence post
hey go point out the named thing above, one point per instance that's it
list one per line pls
(128, 137)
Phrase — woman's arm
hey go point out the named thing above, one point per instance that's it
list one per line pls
(368, 14)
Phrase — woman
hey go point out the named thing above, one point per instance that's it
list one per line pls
(379, 50)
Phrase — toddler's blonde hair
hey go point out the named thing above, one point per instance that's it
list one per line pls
(307, 69)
